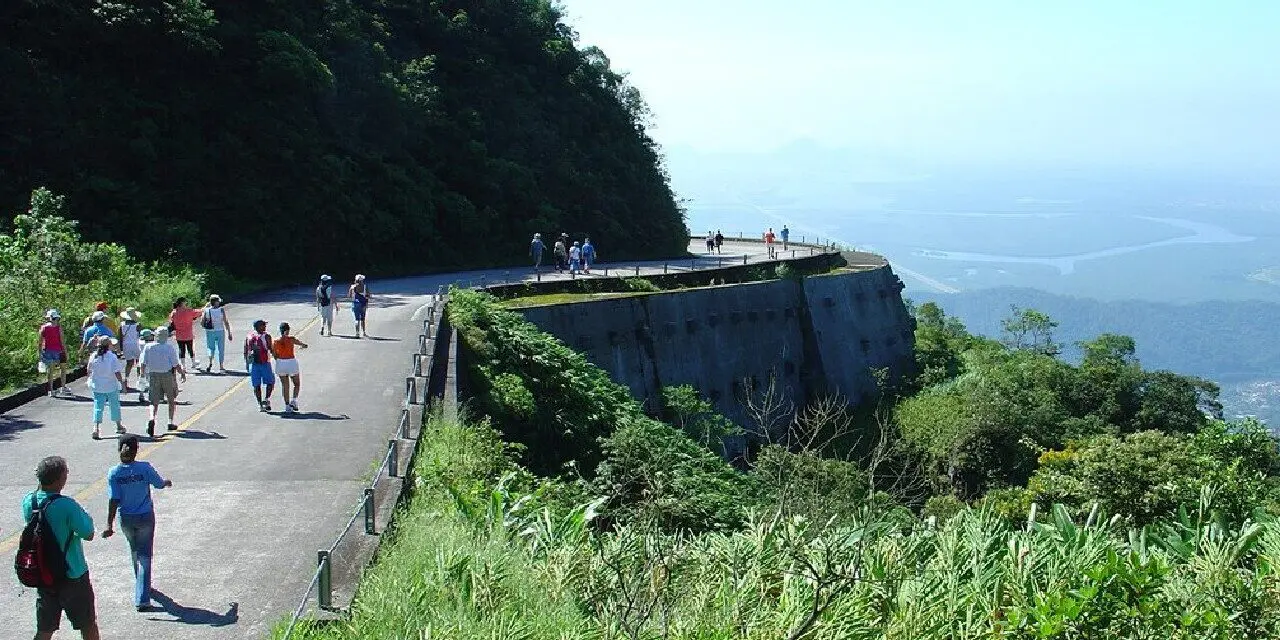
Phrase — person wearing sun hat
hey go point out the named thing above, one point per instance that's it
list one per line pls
(161, 365)
(130, 341)
(106, 382)
(217, 331)
(97, 327)
(109, 319)
(53, 351)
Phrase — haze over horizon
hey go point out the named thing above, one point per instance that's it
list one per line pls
(1183, 87)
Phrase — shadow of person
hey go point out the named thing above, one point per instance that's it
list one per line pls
(314, 415)
(195, 434)
(195, 615)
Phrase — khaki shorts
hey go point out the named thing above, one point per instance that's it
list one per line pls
(164, 387)
(74, 597)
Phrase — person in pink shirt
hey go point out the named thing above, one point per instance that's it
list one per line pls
(183, 319)
(52, 352)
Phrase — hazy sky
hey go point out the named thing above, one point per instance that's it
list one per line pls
(1130, 82)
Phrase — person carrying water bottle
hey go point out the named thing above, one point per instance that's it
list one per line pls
(359, 294)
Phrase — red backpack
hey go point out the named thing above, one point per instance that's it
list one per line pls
(41, 561)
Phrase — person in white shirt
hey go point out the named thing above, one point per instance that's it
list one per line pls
(161, 365)
(217, 331)
(106, 380)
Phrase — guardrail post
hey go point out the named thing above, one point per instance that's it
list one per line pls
(606, 272)
(370, 525)
(744, 258)
(637, 271)
(411, 389)
(664, 268)
(422, 343)
(506, 277)
(324, 590)
(538, 277)
(801, 239)
(393, 451)
(793, 254)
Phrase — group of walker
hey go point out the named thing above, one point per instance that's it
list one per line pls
(164, 355)
(571, 256)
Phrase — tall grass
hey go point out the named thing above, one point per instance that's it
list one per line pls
(44, 263)
(478, 553)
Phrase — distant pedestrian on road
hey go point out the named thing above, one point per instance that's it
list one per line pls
(287, 366)
(535, 250)
(217, 331)
(711, 242)
(145, 337)
(69, 524)
(326, 304)
(359, 294)
(719, 241)
(561, 254)
(130, 342)
(257, 357)
(106, 383)
(162, 367)
(97, 327)
(575, 258)
(53, 352)
(768, 243)
(588, 255)
(786, 237)
(183, 319)
(129, 493)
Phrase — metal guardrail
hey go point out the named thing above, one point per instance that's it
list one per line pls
(415, 393)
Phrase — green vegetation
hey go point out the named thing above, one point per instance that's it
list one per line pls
(328, 136)
(1005, 494)
(545, 299)
(44, 263)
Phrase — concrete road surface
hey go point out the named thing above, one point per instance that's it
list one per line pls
(255, 494)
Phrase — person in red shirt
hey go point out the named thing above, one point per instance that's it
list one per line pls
(768, 243)
(52, 351)
(183, 319)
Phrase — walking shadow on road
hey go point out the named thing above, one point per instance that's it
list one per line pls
(313, 415)
(195, 434)
(9, 427)
(195, 615)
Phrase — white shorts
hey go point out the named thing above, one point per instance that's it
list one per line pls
(326, 312)
(287, 367)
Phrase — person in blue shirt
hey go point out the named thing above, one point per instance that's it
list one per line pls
(97, 327)
(588, 255)
(535, 249)
(786, 237)
(70, 525)
(129, 493)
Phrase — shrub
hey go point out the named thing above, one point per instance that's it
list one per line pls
(808, 485)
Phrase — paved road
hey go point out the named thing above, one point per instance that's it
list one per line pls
(254, 494)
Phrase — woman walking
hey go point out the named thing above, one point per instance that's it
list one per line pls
(183, 319)
(130, 342)
(53, 352)
(105, 382)
(359, 294)
(326, 304)
(217, 331)
(287, 366)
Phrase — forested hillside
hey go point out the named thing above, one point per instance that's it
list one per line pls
(294, 136)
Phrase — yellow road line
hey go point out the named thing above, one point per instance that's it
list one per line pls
(98, 485)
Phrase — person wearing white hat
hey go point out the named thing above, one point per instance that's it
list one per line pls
(217, 332)
(160, 363)
(53, 351)
(106, 382)
(97, 327)
(359, 294)
(326, 304)
(130, 342)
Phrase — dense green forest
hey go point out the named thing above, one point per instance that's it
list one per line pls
(280, 138)
(1001, 492)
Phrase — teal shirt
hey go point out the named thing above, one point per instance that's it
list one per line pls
(66, 517)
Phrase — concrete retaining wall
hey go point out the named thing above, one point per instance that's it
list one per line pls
(822, 333)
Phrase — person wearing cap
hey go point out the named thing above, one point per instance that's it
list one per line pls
(145, 337)
(359, 294)
(130, 342)
(53, 352)
(106, 312)
(97, 327)
(326, 304)
(257, 358)
(161, 365)
(106, 382)
(287, 366)
(217, 331)
(129, 494)
(535, 249)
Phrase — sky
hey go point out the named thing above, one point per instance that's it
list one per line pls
(1136, 83)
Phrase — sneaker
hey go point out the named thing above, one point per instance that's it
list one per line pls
(121, 430)
(293, 406)
(173, 427)
(96, 434)
(264, 406)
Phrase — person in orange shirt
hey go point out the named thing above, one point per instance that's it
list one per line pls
(287, 365)
(183, 320)
(768, 243)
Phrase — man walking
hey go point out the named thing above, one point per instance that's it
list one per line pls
(768, 243)
(161, 366)
(97, 327)
(53, 353)
(257, 357)
(535, 250)
(561, 254)
(719, 241)
(129, 493)
(588, 255)
(786, 237)
(326, 304)
(69, 524)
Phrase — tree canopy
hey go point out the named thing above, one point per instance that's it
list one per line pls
(298, 136)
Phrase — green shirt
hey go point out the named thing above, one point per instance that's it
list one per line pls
(66, 517)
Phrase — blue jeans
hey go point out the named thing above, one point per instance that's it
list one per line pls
(103, 400)
(214, 339)
(140, 531)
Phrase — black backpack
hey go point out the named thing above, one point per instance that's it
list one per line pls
(322, 292)
(41, 561)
